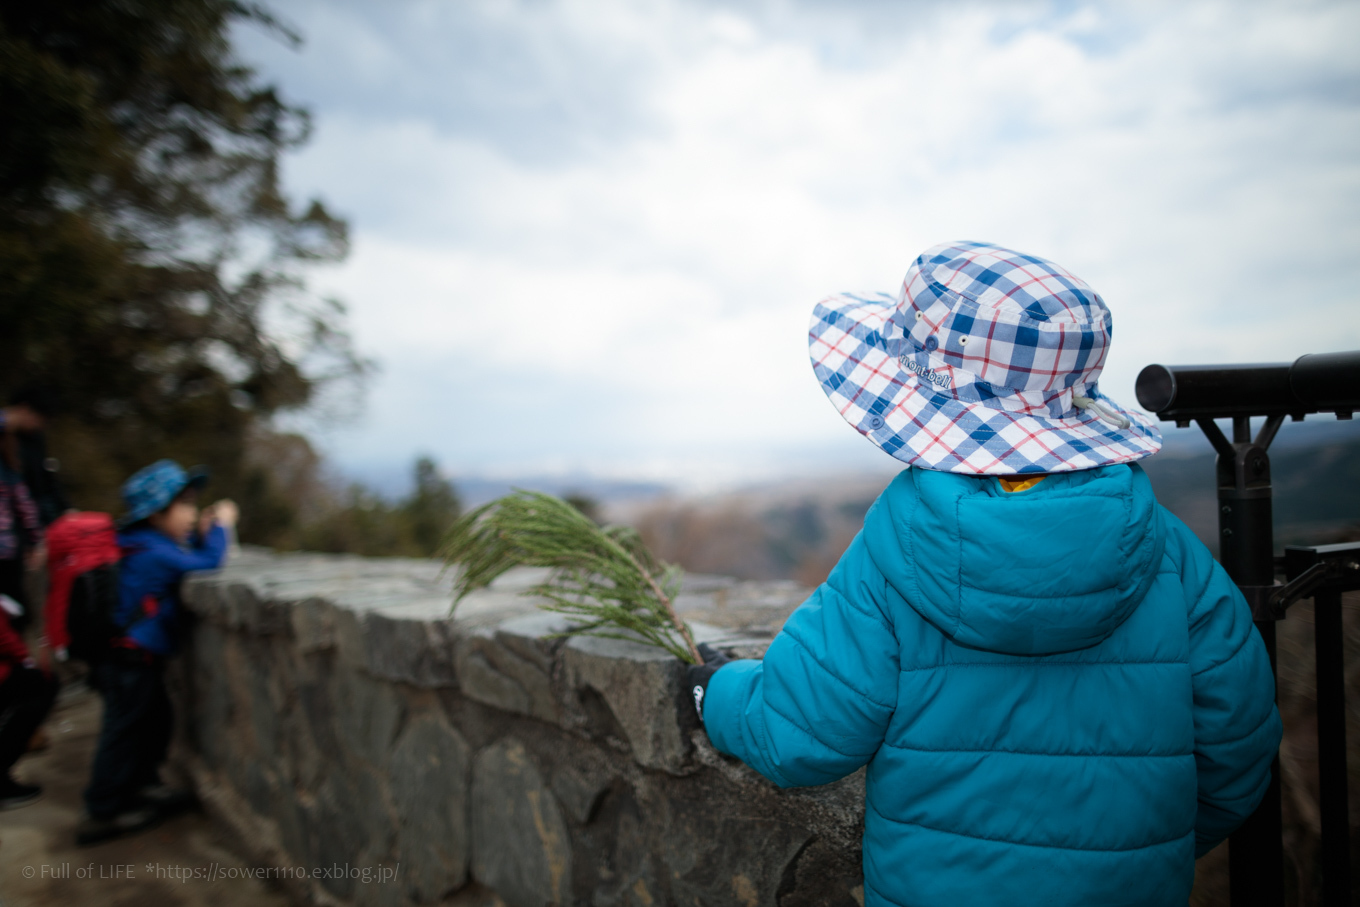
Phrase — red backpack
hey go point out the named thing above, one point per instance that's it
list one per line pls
(82, 591)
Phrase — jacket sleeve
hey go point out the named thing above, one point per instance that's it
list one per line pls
(1237, 727)
(206, 554)
(816, 708)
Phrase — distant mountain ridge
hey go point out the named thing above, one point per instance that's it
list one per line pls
(1316, 490)
(798, 529)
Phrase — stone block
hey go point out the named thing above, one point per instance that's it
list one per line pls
(534, 637)
(510, 666)
(202, 594)
(354, 820)
(293, 814)
(643, 689)
(313, 625)
(314, 740)
(580, 787)
(246, 606)
(367, 715)
(716, 858)
(348, 632)
(265, 702)
(418, 652)
(259, 786)
(615, 861)
(520, 845)
(429, 771)
(211, 713)
(373, 809)
(379, 894)
(339, 842)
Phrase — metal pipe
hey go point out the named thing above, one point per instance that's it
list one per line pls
(1215, 391)
(1330, 381)
(1318, 382)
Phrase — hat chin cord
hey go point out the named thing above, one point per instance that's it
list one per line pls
(1087, 404)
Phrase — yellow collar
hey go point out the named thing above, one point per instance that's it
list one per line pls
(1020, 484)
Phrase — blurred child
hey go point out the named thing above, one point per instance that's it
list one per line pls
(164, 537)
(1059, 695)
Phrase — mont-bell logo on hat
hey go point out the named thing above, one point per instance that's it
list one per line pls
(938, 378)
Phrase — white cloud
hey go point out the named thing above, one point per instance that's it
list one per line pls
(637, 274)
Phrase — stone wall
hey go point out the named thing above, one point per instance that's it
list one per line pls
(334, 715)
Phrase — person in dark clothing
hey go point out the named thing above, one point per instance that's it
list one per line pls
(26, 696)
(21, 541)
(30, 495)
(164, 538)
(23, 444)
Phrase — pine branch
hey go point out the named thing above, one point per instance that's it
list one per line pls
(603, 577)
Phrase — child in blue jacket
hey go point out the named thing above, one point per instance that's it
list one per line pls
(164, 537)
(1059, 695)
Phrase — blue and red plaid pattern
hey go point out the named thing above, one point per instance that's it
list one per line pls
(973, 367)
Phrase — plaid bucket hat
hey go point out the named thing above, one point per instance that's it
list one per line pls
(985, 363)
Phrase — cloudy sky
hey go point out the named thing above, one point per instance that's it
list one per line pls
(588, 235)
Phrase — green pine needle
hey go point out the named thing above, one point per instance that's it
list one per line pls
(603, 577)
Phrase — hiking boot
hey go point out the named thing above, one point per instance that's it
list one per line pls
(167, 800)
(92, 830)
(14, 795)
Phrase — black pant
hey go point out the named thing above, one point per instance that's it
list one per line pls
(134, 735)
(26, 697)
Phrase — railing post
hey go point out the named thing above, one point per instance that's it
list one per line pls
(1329, 645)
(1246, 551)
(1316, 383)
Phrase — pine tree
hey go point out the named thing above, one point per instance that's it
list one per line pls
(150, 262)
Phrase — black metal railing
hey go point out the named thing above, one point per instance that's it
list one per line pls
(1320, 383)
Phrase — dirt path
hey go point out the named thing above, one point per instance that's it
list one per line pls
(40, 864)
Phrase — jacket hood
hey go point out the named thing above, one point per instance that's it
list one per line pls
(1055, 568)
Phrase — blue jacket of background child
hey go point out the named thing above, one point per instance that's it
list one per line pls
(1059, 695)
(149, 577)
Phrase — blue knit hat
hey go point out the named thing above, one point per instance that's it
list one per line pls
(152, 488)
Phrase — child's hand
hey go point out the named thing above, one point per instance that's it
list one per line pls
(226, 512)
(206, 519)
(698, 676)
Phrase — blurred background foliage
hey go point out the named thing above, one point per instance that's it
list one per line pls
(151, 269)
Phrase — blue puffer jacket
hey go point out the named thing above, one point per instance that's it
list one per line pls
(1060, 696)
(149, 578)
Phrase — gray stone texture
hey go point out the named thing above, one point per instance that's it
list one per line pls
(643, 688)
(520, 845)
(334, 707)
(428, 771)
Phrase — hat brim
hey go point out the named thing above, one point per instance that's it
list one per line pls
(194, 478)
(919, 423)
